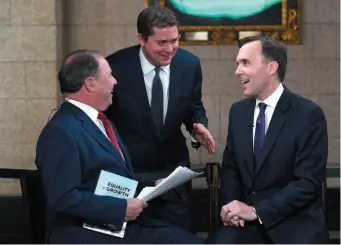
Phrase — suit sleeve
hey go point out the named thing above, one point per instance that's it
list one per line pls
(230, 182)
(309, 172)
(59, 161)
(196, 111)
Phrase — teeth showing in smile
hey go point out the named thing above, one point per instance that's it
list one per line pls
(245, 81)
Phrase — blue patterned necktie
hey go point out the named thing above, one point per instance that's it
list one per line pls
(260, 129)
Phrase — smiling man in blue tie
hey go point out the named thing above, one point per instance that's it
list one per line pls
(275, 158)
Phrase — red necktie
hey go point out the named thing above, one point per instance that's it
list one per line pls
(109, 130)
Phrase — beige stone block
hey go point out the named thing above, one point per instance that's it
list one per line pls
(92, 12)
(10, 187)
(129, 12)
(219, 77)
(12, 80)
(30, 43)
(334, 151)
(326, 41)
(228, 52)
(61, 44)
(33, 12)
(24, 119)
(14, 109)
(5, 12)
(212, 106)
(204, 52)
(41, 80)
(18, 133)
(106, 39)
(60, 13)
(305, 49)
(103, 12)
(313, 76)
(199, 183)
(38, 111)
(17, 156)
(316, 11)
(226, 103)
(130, 35)
(217, 156)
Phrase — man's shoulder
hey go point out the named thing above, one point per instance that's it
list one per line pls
(185, 55)
(303, 105)
(62, 120)
(242, 102)
(122, 54)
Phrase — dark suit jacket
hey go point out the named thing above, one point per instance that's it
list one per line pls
(71, 152)
(131, 112)
(285, 189)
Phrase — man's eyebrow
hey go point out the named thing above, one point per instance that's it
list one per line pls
(164, 40)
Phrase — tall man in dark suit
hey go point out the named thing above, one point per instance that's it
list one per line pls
(275, 157)
(73, 148)
(159, 89)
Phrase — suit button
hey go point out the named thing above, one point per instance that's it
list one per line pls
(253, 193)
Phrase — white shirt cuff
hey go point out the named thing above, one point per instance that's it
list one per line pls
(193, 138)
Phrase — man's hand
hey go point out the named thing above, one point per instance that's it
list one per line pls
(204, 137)
(227, 221)
(235, 221)
(134, 208)
(239, 209)
(158, 181)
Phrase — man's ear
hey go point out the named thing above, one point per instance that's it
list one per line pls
(141, 40)
(273, 67)
(90, 84)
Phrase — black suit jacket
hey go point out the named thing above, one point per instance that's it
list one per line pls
(71, 152)
(285, 189)
(132, 115)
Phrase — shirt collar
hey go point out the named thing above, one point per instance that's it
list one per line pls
(88, 110)
(273, 99)
(147, 67)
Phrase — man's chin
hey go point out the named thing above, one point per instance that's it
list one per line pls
(165, 63)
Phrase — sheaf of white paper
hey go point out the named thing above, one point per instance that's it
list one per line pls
(179, 176)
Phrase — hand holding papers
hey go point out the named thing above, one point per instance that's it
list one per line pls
(179, 176)
(110, 184)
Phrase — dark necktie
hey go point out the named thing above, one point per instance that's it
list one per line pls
(157, 101)
(110, 131)
(260, 129)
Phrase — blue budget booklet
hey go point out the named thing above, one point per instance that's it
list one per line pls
(110, 184)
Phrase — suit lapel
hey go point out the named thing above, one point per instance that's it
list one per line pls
(276, 124)
(140, 93)
(97, 134)
(248, 135)
(174, 86)
(124, 152)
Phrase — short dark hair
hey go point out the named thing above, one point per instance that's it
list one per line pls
(76, 67)
(152, 17)
(272, 50)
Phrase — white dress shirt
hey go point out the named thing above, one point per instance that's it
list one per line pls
(148, 74)
(271, 103)
(91, 112)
